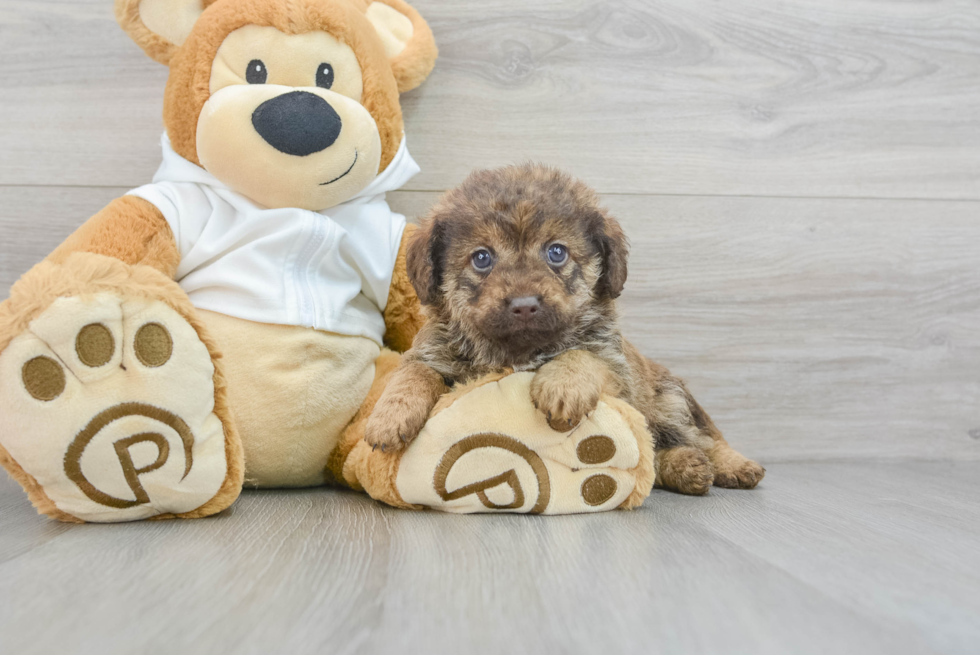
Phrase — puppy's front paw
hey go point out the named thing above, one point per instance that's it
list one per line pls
(563, 398)
(395, 421)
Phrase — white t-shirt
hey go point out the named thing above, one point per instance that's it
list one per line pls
(328, 270)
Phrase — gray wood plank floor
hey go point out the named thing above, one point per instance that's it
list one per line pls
(846, 557)
(801, 184)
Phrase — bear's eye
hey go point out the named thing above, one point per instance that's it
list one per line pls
(324, 76)
(482, 259)
(557, 254)
(256, 72)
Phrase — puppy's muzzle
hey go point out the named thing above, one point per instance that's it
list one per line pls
(297, 123)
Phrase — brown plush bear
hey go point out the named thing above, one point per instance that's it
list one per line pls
(234, 321)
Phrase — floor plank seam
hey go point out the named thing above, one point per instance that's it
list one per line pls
(748, 196)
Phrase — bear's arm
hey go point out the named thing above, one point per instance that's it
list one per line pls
(129, 229)
(403, 313)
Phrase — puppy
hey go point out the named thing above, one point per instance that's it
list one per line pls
(518, 269)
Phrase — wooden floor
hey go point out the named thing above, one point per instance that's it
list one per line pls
(801, 184)
(842, 557)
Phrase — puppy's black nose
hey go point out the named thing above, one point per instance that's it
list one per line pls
(526, 307)
(297, 123)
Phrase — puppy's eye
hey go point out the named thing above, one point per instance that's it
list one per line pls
(324, 76)
(482, 260)
(557, 254)
(256, 72)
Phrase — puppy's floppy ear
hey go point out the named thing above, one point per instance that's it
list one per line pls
(160, 27)
(424, 261)
(614, 248)
(407, 40)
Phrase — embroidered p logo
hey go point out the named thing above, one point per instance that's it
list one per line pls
(509, 478)
(122, 447)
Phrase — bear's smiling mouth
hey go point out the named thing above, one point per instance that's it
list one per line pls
(344, 173)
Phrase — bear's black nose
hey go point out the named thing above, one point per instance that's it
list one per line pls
(297, 123)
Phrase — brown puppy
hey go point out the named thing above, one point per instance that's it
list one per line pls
(518, 269)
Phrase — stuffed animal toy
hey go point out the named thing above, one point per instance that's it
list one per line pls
(234, 321)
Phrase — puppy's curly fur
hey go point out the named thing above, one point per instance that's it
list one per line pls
(518, 269)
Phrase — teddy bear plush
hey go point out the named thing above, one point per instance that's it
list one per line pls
(233, 322)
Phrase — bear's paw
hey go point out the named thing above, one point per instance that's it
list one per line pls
(108, 404)
(490, 450)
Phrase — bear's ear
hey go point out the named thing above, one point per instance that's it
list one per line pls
(407, 39)
(159, 26)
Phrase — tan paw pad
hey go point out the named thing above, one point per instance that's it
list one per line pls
(597, 449)
(597, 489)
(43, 378)
(153, 345)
